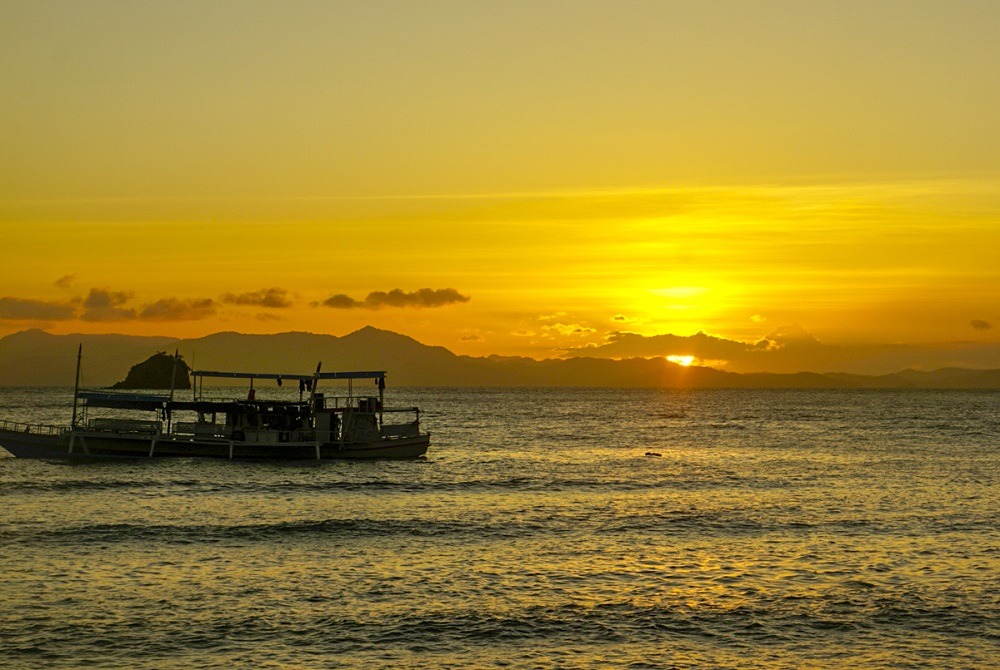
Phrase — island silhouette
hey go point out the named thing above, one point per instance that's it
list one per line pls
(159, 371)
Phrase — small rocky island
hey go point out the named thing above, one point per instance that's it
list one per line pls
(158, 372)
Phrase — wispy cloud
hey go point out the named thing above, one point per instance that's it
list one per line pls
(979, 324)
(66, 281)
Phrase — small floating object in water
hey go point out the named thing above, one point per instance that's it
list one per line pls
(653, 453)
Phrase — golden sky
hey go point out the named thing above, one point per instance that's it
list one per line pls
(502, 177)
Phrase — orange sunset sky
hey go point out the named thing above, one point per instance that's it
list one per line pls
(502, 177)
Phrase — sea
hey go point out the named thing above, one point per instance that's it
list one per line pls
(546, 528)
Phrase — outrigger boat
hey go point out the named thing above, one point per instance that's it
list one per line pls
(350, 426)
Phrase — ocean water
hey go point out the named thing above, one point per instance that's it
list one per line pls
(776, 529)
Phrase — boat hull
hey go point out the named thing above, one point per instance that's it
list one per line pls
(33, 445)
(97, 444)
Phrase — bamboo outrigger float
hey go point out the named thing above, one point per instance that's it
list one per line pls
(348, 426)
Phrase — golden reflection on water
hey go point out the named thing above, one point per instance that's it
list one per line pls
(768, 535)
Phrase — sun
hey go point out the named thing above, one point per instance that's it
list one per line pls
(681, 360)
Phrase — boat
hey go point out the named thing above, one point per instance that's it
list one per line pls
(109, 424)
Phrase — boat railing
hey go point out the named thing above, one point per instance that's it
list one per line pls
(266, 435)
(32, 428)
(396, 430)
(126, 426)
(360, 403)
(201, 429)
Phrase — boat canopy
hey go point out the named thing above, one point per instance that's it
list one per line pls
(369, 374)
(145, 401)
(123, 400)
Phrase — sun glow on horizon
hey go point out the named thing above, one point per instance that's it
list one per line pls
(842, 267)
(504, 180)
(684, 361)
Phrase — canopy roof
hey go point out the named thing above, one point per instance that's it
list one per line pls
(140, 401)
(148, 401)
(369, 374)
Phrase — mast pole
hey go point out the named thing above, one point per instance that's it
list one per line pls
(315, 382)
(166, 406)
(312, 406)
(76, 384)
(381, 399)
(173, 374)
(76, 395)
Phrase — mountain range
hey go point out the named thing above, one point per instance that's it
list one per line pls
(38, 358)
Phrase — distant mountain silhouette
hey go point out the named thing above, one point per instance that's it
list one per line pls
(791, 349)
(37, 358)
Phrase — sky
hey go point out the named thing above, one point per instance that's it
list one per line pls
(513, 178)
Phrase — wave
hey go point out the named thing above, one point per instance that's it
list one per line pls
(534, 523)
(749, 637)
(647, 474)
(261, 532)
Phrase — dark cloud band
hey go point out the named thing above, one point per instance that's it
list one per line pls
(425, 297)
(19, 309)
(266, 297)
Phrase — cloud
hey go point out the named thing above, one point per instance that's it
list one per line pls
(66, 281)
(173, 309)
(623, 344)
(979, 324)
(266, 297)
(791, 335)
(19, 309)
(105, 305)
(619, 320)
(472, 335)
(425, 297)
(341, 301)
(568, 329)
